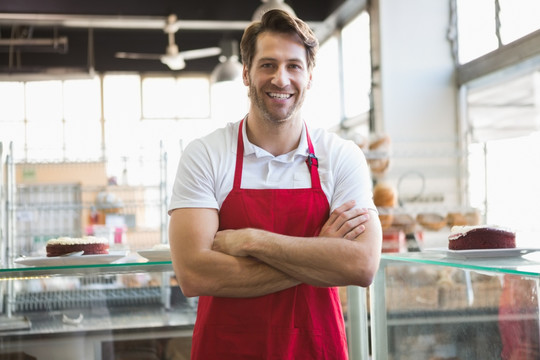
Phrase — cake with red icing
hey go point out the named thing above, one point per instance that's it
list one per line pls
(91, 245)
(481, 237)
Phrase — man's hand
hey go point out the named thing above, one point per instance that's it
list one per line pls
(345, 222)
(231, 242)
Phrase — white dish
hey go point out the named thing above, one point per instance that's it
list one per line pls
(156, 255)
(484, 253)
(70, 260)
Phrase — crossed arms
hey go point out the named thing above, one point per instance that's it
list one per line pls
(251, 262)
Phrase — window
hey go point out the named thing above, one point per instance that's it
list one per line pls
(477, 24)
(518, 18)
(357, 65)
(82, 118)
(476, 28)
(503, 112)
(504, 177)
(158, 96)
(12, 116)
(193, 97)
(44, 113)
(323, 101)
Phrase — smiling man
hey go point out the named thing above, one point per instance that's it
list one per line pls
(269, 216)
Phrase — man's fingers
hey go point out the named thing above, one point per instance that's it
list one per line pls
(351, 217)
(351, 235)
(346, 221)
(341, 209)
(354, 226)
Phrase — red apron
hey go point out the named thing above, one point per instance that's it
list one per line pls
(302, 322)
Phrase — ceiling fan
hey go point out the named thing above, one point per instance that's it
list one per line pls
(173, 58)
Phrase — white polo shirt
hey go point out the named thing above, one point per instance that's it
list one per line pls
(206, 171)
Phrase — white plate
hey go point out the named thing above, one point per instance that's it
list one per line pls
(484, 253)
(70, 260)
(156, 255)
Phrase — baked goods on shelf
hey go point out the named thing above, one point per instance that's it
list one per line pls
(472, 217)
(91, 245)
(385, 199)
(404, 222)
(481, 237)
(384, 195)
(456, 219)
(431, 221)
(379, 154)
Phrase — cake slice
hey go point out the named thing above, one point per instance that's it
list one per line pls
(481, 237)
(91, 245)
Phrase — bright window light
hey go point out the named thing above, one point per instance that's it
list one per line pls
(193, 97)
(44, 101)
(122, 95)
(159, 98)
(12, 117)
(82, 116)
(476, 28)
(322, 106)
(12, 101)
(357, 65)
(518, 18)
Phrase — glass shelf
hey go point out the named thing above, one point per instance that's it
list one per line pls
(525, 265)
(20, 273)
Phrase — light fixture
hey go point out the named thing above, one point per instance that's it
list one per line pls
(270, 5)
(229, 68)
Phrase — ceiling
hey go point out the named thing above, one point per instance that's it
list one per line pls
(94, 31)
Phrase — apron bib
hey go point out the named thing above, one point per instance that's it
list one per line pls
(302, 322)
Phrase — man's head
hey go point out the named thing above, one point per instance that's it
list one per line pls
(278, 21)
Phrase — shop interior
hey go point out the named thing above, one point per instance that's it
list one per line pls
(99, 99)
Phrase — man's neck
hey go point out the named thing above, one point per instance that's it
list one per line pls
(277, 139)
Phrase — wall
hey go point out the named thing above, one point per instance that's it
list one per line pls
(418, 104)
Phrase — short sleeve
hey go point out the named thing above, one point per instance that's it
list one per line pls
(194, 182)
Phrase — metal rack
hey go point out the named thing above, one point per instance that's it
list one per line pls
(37, 212)
(85, 298)
(31, 214)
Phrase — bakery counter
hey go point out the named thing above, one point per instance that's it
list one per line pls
(99, 311)
(443, 305)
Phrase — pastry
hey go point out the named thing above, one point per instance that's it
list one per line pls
(431, 221)
(481, 237)
(91, 245)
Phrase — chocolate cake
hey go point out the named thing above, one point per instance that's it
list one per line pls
(91, 245)
(481, 237)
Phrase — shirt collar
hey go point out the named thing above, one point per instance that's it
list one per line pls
(251, 149)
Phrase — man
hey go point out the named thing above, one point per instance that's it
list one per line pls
(267, 218)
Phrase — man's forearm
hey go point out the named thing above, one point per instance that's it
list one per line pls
(316, 261)
(228, 276)
(347, 252)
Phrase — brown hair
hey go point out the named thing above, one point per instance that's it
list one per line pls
(281, 22)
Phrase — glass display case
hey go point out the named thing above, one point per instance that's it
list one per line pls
(99, 311)
(443, 305)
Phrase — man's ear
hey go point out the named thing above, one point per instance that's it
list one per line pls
(245, 75)
(310, 80)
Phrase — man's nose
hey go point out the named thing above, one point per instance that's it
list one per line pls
(281, 77)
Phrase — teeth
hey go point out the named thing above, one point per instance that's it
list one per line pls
(279, 96)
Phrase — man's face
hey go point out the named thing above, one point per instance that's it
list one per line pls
(279, 76)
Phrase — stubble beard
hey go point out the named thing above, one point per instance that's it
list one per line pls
(256, 99)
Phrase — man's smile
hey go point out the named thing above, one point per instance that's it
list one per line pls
(279, 96)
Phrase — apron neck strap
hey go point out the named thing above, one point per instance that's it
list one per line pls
(311, 161)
